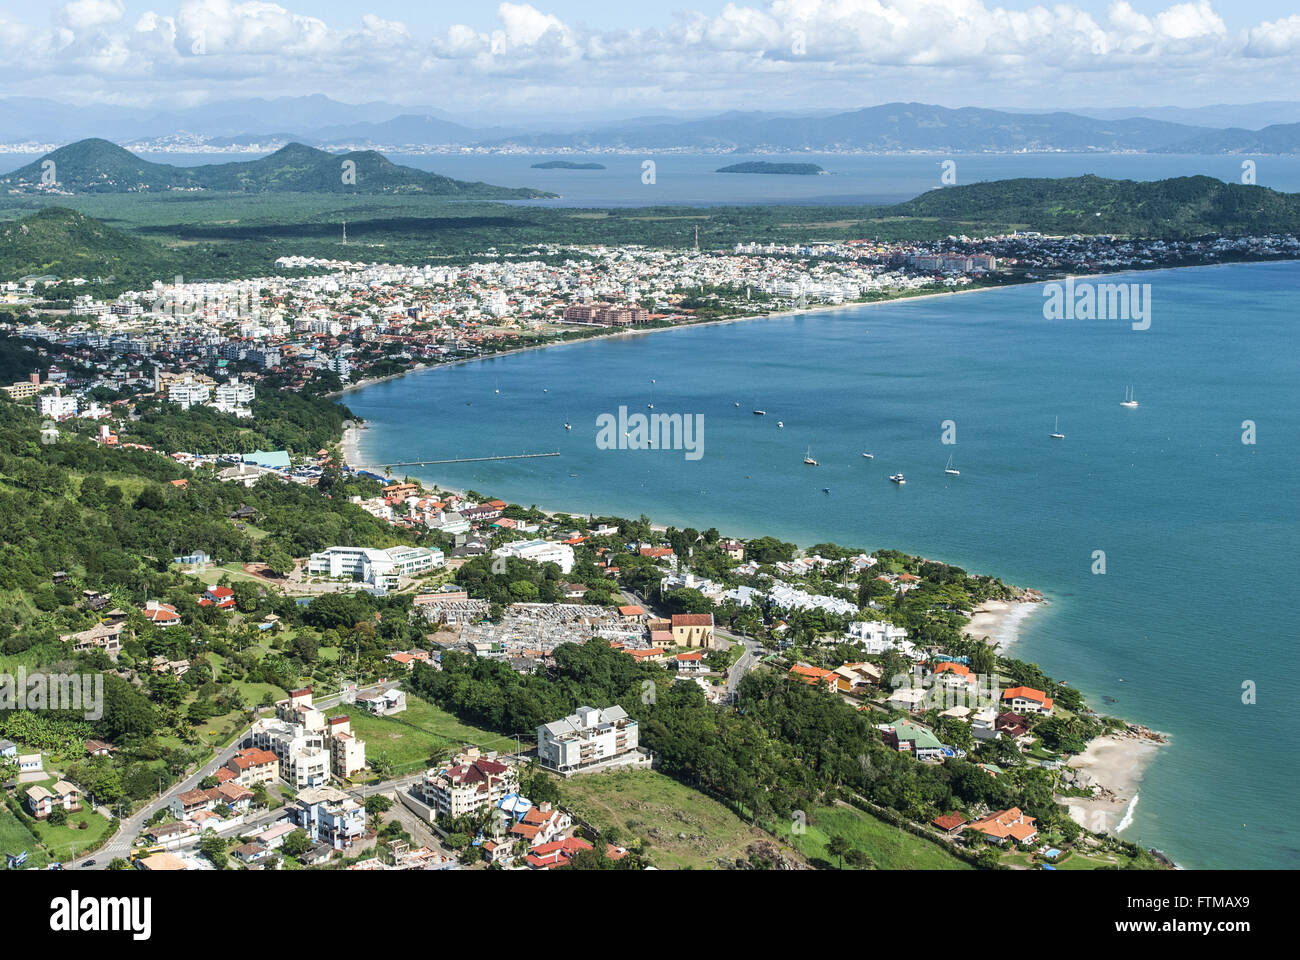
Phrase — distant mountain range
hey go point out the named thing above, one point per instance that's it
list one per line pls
(258, 125)
(97, 166)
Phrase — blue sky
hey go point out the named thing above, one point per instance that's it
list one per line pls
(502, 60)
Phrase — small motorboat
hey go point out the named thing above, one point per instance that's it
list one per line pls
(897, 478)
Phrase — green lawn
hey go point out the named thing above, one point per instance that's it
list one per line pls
(60, 840)
(638, 802)
(889, 847)
(410, 737)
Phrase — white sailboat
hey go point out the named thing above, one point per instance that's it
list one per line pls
(950, 469)
(1130, 398)
(807, 458)
(1056, 430)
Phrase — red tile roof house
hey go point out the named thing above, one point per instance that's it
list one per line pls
(1007, 823)
(950, 823)
(548, 856)
(222, 598)
(1027, 700)
(1011, 724)
(161, 614)
(540, 825)
(690, 662)
(816, 675)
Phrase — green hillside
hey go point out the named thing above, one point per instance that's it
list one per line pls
(1179, 207)
(98, 166)
(66, 243)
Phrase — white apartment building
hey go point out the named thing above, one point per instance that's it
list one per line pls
(234, 397)
(589, 738)
(378, 567)
(56, 406)
(539, 551)
(188, 393)
(309, 748)
(877, 636)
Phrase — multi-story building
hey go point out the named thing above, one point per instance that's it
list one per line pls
(328, 815)
(539, 551)
(347, 752)
(56, 406)
(378, 567)
(589, 738)
(188, 393)
(471, 783)
(234, 397)
(305, 744)
(254, 766)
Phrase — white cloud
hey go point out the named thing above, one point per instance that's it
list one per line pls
(92, 13)
(848, 52)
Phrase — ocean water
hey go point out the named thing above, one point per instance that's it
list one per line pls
(690, 179)
(1198, 528)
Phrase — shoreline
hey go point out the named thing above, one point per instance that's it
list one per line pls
(361, 384)
(999, 621)
(1117, 763)
(613, 334)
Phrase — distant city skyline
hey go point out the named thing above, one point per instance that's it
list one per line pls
(554, 58)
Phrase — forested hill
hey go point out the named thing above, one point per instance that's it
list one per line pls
(66, 243)
(98, 166)
(1179, 207)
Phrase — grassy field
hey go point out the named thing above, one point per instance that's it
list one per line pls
(15, 838)
(410, 738)
(890, 848)
(681, 828)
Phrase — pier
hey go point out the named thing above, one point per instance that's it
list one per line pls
(429, 463)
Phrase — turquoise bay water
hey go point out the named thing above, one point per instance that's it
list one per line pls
(1198, 528)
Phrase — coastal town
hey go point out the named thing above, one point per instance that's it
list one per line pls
(212, 342)
(916, 647)
(311, 780)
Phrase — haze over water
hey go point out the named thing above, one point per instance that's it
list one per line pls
(1198, 528)
(690, 179)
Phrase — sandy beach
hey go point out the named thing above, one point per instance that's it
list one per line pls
(1117, 763)
(999, 621)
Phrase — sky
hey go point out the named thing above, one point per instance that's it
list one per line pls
(500, 61)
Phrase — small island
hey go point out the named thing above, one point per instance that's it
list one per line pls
(567, 165)
(764, 166)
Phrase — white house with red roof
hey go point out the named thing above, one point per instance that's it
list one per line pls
(223, 598)
(161, 614)
(1027, 700)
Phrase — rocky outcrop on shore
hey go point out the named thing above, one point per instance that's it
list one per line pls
(1135, 731)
